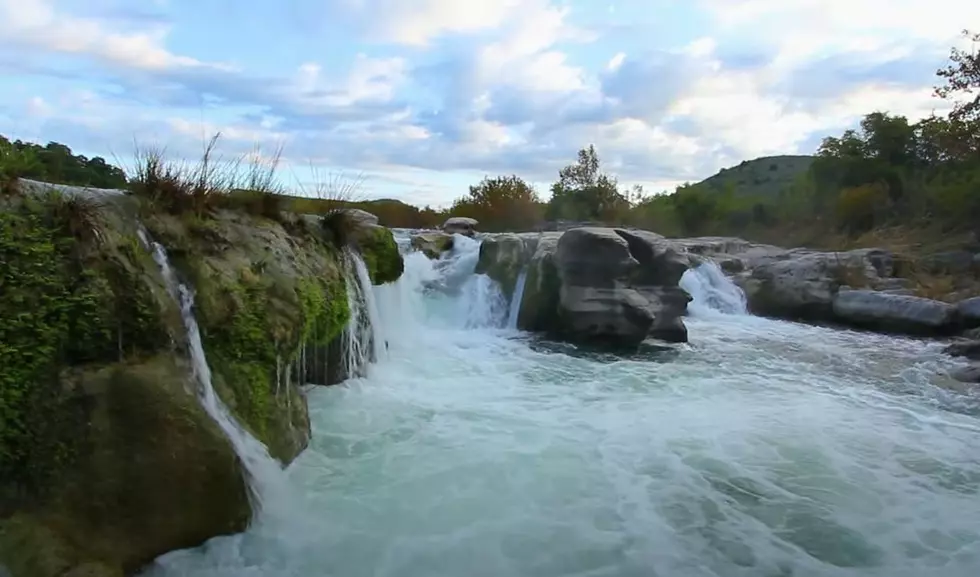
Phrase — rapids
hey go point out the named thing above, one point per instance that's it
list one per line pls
(761, 449)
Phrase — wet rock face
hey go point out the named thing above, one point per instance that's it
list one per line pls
(107, 459)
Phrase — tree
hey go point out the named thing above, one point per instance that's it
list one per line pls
(501, 203)
(583, 192)
(961, 79)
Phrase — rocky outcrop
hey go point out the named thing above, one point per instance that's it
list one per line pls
(880, 311)
(432, 244)
(460, 225)
(600, 286)
(107, 459)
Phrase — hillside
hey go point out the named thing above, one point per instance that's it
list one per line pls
(765, 176)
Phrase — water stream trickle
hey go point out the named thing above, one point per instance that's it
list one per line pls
(515, 300)
(263, 472)
(761, 449)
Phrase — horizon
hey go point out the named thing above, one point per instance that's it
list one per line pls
(424, 99)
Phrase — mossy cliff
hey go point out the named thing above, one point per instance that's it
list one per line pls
(107, 459)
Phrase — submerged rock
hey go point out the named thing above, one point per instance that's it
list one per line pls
(969, 349)
(432, 244)
(967, 374)
(460, 225)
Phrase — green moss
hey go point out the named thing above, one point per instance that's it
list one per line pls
(380, 252)
(325, 310)
(256, 325)
(65, 303)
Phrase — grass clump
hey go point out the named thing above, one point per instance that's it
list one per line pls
(247, 184)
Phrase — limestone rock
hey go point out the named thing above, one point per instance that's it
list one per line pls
(893, 313)
(460, 225)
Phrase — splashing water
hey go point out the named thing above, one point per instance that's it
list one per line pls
(361, 343)
(515, 300)
(264, 474)
(761, 449)
(712, 291)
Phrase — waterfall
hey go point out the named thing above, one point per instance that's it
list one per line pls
(262, 470)
(363, 341)
(712, 292)
(515, 299)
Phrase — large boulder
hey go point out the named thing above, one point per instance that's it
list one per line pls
(885, 312)
(604, 286)
(460, 225)
(432, 244)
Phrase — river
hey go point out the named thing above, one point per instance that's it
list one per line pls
(761, 449)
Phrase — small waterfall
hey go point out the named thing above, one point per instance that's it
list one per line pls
(515, 300)
(712, 291)
(262, 470)
(362, 344)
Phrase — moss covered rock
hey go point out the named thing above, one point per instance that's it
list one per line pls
(381, 255)
(266, 297)
(107, 459)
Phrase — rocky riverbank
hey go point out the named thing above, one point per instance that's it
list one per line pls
(107, 459)
(618, 286)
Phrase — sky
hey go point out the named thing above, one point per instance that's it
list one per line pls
(418, 99)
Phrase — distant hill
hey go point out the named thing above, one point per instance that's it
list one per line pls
(765, 176)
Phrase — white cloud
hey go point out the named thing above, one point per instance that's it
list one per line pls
(36, 23)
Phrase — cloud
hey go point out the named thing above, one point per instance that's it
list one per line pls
(447, 91)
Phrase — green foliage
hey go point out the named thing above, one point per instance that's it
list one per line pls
(762, 177)
(56, 163)
(583, 192)
(962, 79)
(500, 203)
(64, 304)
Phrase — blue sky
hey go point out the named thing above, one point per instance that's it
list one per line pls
(423, 97)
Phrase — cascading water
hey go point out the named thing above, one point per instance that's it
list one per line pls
(712, 291)
(263, 472)
(515, 300)
(363, 338)
(765, 449)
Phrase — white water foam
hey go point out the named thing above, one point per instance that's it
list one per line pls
(762, 449)
(713, 292)
(264, 474)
